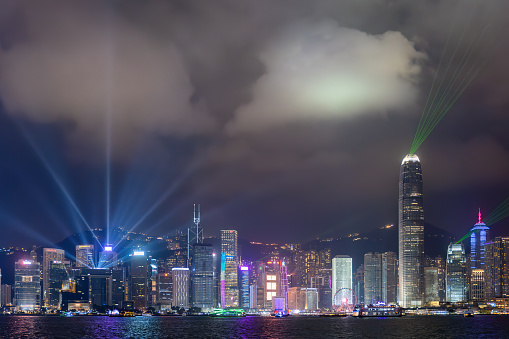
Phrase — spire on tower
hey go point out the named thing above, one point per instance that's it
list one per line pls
(479, 215)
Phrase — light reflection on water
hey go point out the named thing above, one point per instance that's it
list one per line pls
(253, 327)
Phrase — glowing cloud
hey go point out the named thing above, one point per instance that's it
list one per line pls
(322, 71)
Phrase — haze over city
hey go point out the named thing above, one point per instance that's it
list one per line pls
(285, 120)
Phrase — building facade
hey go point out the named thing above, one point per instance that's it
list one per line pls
(456, 274)
(181, 285)
(390, 278)
(229, 265)
(202, 280)
(27, 285)
(139, 280)
(372, 278)
(411, 233)
(85, 256)
(341, 277)
(48, 256)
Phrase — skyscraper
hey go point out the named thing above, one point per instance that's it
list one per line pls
(180, 277)
(85, 256)
(139, 280)
(389, 277)
(497, 267)
(341, 275)
(202, 276)
(479, 235)
(244, 286)
(229, 286)
(56, 275)
(27, 285)
(48, 256)
(108, 257)
(372, 278)
(411, 233)
(194, 233)
(456, 271)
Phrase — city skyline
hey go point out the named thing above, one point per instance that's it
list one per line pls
(153, 115)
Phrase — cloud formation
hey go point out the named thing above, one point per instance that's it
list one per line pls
(323, 71)
(87, 65)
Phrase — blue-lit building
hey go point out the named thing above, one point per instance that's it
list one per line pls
(479, 234)
(244, 286)
(456, 274)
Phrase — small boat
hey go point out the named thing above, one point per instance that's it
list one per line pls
(66, 314)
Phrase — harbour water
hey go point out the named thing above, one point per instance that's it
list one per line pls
(480, 326)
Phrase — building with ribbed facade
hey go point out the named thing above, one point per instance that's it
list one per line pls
(411, 233)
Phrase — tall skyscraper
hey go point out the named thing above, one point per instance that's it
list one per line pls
(456, 274)
(229, 259)
(372, 278)
(479, 234)
(202, 276)
(477, 282)
(48, 256)
(180, 277)
(27, 285)
(85, 256)
(56, 275)
(194, 233)
(139, 280)
(431, 289)
(389, 277)
(341, 276)
(497, 267)
(244, 286)
(411, 233)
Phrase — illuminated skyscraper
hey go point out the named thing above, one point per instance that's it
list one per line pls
(180, 277)
(202, 276)
(56, 275)
(85, 256)
(341, 275)
(479, 235)
(139, 280)
(389, 277)
(48, 256)
(411, 233)
(108, 257)
(497, 267)
(456, 274)
(372, 278)
(244, 286)
(229, 284)
(27, 285)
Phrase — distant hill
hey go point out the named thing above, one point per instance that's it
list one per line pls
(381, 240)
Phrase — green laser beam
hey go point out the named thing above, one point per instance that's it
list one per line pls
(462, 76)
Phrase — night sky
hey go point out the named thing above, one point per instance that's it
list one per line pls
(285, 120)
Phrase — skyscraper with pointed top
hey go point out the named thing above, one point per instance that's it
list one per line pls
(411, 233)
(479, 235)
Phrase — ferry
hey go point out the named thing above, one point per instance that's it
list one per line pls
(377, 311)
(232, 312)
